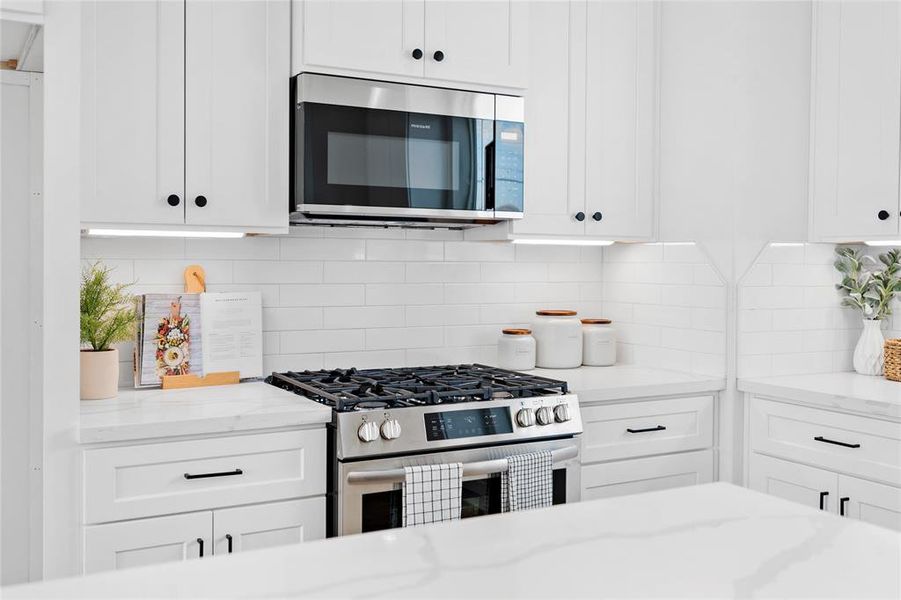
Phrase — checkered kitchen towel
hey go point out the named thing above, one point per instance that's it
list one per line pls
(528, 481)
(432, 493)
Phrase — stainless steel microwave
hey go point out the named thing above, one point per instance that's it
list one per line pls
(377, 153)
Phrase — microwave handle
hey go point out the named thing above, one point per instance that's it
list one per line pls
(474, 469)
(490, 175)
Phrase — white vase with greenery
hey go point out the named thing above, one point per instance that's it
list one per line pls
(107, 318)
(869, 285)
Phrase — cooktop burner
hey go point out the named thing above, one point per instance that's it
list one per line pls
(379, 389)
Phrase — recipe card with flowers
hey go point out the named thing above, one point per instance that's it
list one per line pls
(170, 340)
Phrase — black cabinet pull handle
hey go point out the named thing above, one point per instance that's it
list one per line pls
(841, 505)
(228, 537)
(823, 500)
(658, 428)
(173, 200)
(883, 215)
(220, 474)
(597, 216)
(580, 216)
(438, 56)
(200, 543)
(417, 53)
(200, 201)
(820, 438)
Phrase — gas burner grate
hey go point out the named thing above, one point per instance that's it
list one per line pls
(368, 389)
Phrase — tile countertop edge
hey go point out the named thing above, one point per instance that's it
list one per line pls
(629, 382)
(847, 392)
(140, 415)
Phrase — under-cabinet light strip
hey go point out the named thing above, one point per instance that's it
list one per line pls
(162, 233)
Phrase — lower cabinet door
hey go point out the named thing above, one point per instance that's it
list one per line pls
(871, 502)
(267, 525)
(814, 487)
(147, 541)
(604, 480)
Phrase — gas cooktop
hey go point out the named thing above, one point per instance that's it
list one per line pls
(347, 390)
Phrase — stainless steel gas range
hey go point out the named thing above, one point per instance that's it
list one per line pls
(386, 419)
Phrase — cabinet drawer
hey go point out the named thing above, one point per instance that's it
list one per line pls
(646, 474)
(846, 443)
(153, 479)
(616, 431)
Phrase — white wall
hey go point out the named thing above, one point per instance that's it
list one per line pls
(20, 221)
(734, 122)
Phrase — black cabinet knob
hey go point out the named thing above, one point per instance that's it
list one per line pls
(417, 53)
(580, 216)
(173, 200)
(597, 216)
(200, 201)
(883, 215)
(438, 56)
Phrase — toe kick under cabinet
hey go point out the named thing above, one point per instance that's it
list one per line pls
(842, 463)
(647, 445)
(159, 501)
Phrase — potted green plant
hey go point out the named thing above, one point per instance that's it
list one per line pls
(107, 317)
(869, 285)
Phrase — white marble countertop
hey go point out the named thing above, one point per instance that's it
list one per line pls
(150, 413)
(715, 540)
(620, 382)
(850, 392)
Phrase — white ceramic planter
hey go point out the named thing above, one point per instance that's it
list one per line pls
(868, 354)
(99, 374)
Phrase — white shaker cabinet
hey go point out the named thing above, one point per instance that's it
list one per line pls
(132, 130)
(237, 56)
(477, 42)
(185, 114)
(869, 501)
(147, 541)
(817, 488)
(267, 525)
(855, 127)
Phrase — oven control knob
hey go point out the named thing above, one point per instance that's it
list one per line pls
(545, 415)
(390, 429)
(561, 413)
(368, 431)
(525, 417)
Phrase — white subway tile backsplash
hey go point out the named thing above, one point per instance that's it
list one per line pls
(782, 254)
(370, 298)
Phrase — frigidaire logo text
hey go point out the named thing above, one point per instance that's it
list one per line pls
(420, 126)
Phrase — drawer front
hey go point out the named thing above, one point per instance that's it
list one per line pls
(617, 431)
(153, 479)
(846, 443)
(646, 474)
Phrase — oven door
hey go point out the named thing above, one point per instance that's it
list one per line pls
(370, 495)
(365, 149)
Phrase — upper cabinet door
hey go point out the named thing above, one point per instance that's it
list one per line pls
(620, 119)
(374, 36)
(132, 126)
(236, 121)
(856, 101)
(481, 41)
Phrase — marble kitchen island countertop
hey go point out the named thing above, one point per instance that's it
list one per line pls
(851, 392)
(152, 413)
(714, 540)
(620, 382)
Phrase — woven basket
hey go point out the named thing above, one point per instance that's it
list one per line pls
(892, 366)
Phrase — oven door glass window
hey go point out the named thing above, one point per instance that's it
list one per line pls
(358, 157)
(384, 510)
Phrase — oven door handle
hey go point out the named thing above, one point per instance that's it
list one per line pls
(473, 469)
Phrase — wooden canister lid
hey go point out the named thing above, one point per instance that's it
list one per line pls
(556, 313)
(517, 331)
(596, 321)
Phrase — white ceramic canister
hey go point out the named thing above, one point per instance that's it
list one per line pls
(598, 343)
(558, 339)
(516, 350)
